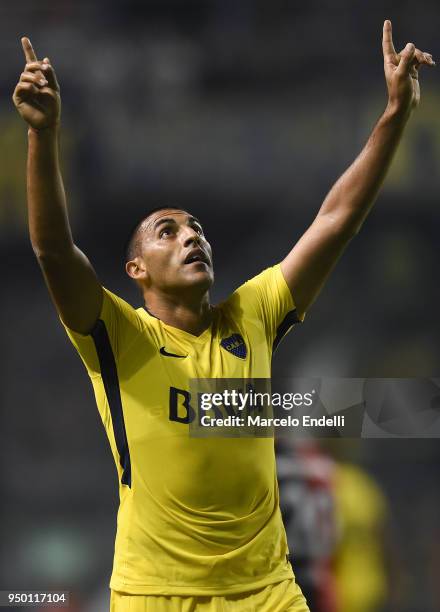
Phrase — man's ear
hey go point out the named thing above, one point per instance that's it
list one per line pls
(136, 269)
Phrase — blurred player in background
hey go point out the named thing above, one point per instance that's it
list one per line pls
(336, 520)
(362, 556)
(306, 477)
(199, 525)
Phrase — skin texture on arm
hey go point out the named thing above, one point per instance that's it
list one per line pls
(70, 278)
(346, 206)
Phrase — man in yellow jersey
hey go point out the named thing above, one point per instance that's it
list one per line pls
(199, 526)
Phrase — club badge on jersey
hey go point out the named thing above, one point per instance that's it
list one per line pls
(235, 344)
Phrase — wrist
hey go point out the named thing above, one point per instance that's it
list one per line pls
(397, 112)
(46, 132)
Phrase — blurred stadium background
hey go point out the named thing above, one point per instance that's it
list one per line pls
(244, 112)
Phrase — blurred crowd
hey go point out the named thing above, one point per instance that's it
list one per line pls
(244, 113)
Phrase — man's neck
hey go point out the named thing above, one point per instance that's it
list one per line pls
(191, 315)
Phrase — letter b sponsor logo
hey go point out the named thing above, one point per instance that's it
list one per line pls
(181, 410)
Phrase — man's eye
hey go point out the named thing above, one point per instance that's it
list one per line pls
(198, 230)
(166, 231)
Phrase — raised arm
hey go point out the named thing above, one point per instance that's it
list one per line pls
(346, 206)
(69, 276)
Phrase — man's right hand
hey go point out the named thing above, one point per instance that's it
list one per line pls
(37, 94)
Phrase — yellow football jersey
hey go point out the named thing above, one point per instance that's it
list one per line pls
(197, 516)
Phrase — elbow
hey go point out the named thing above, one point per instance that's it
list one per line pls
(46, 258)
(37, 250)
(40, 251)
(344, 226)
(353, 229)
(348, 231)
(47, 253)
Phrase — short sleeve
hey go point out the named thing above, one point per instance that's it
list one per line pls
(116, 329)
(268, 297)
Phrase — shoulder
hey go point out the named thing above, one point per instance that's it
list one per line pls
(269, 285)
(117, 329)
(265, 300)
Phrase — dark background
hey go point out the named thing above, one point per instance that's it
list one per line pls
(243, 112)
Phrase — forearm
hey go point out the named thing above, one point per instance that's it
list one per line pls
(351, 198)
(49, 227)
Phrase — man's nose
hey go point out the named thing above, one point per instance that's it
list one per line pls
(190, 236)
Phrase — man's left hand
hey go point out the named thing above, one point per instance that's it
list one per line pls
(402, 72)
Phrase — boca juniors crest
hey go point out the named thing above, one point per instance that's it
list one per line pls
(235, 344)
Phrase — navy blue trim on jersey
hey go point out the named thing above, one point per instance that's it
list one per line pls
(289, 320)
(110, 379)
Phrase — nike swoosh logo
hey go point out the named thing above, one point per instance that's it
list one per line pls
(164, 352)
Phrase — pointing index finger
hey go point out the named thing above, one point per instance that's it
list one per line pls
(29, 52)
(387, 40)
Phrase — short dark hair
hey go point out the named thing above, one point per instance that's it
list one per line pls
(132, 244)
